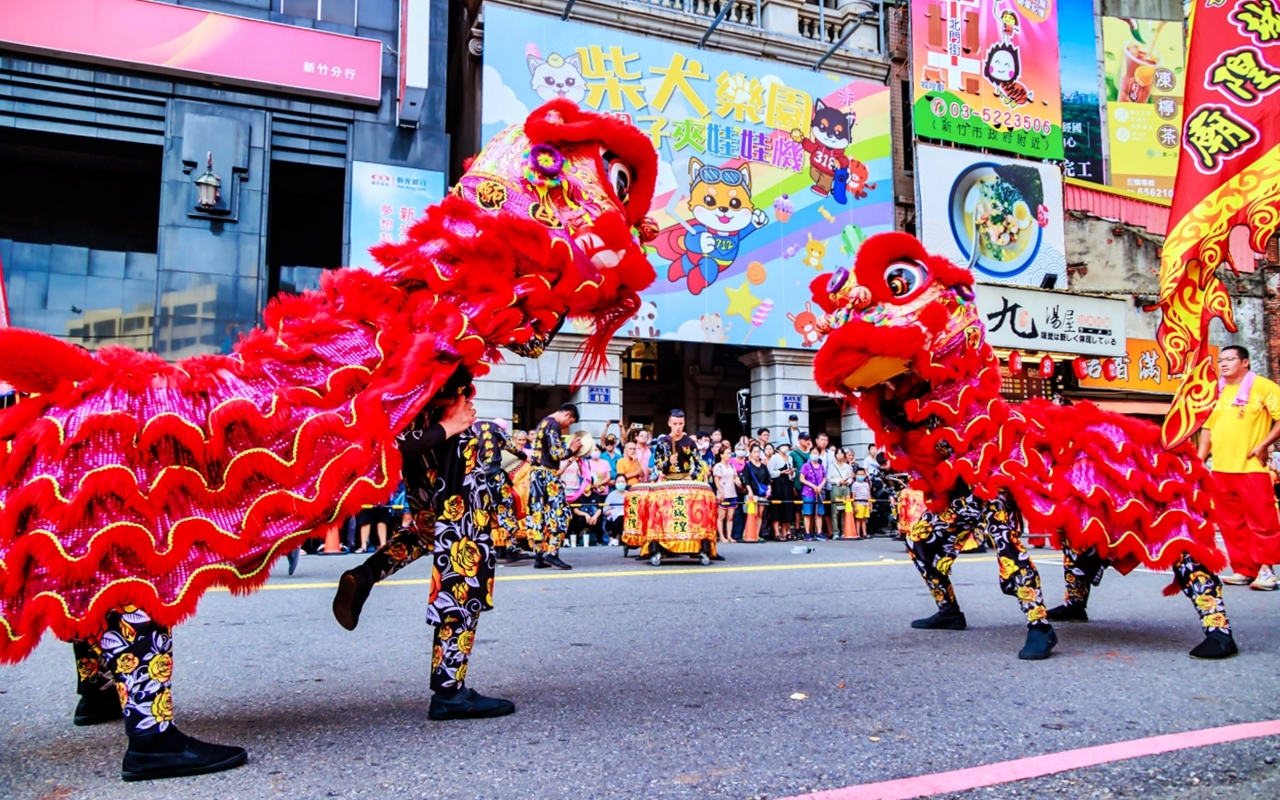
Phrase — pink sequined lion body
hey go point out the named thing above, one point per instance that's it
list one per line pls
(127, 480)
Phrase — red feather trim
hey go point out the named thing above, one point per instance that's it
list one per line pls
(34, 362)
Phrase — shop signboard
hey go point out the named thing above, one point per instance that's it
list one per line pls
(806, 155)
(385, 202)
(985, 74)
(1141, 369)
(1081, 106)
(206, 45)
(1012, 209)
(1059, 322)
(1145, 71)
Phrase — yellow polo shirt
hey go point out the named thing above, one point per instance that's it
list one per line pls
(1235, 431)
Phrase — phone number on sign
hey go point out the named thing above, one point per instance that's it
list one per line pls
(993, 117)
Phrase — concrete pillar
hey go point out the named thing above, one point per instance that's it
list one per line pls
(601, 400)
(780, 379)
(855, 433)
(782, 16)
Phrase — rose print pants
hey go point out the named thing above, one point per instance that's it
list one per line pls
(938, 537)
(456, 633)
(1083, 570)
(132, 658)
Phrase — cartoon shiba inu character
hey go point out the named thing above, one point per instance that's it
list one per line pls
(1002, 69)
(814, 251)
(724, 215)
(830, 133)
(557, 76)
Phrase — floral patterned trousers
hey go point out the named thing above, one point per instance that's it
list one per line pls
(456, 631)
(1083, 570)
(549, 514)
(133, 658)
(936, 539)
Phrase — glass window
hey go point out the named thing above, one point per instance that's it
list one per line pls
(342, 12)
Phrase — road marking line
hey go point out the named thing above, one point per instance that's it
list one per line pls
(652, 572)
(1038, 766)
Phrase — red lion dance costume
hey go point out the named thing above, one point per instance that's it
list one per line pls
(907, 344)
(129, 486)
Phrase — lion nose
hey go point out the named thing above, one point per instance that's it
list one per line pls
(859, 298)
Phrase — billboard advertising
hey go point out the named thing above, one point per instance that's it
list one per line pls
(805, 155)
(175, 40)
(1011, 209)
(986, 74)
(1081, 105)
(385, 201)
(1024, 319)
(1144, 68)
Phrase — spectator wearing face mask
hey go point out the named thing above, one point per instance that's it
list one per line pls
(615, 507)
(739, 457)
(861, 503)
(839, 483)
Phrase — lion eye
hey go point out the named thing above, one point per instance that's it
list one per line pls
(838, 281)
(904, 278)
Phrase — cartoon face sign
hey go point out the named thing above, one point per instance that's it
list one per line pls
(831, 127)
(557, 76)
(1003, 64)
(720, 197)
(713, 329)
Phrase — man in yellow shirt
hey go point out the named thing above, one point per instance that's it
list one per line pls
(1243, 425)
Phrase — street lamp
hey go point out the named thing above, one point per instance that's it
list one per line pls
(208, 186)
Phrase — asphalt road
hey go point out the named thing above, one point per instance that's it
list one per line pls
(632, 681)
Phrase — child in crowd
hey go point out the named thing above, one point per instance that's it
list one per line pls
(861, 503)
(813, 479)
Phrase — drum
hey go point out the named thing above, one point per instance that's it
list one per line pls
(678, 516)
(632, 527)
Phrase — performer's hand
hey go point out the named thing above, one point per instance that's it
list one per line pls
(458, 417)
(1260, 453)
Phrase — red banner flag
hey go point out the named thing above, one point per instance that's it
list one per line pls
(1228, 175)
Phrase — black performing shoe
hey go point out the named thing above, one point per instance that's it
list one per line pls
(1216, 645)
(173, 754)
(942, 622)
(353, 589)
(553, 560)
(1040, 643)
(468, 704)
(1068, 613)
(98, 707)
(540, 561)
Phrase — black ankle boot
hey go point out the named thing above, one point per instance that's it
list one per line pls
(1040, 642)
(173, 754)
(1216, 645)
(353, 589)
(467, 704)
(1073, 612)
(553, 560)
(97, 707)
(540, 561)
(952, 621)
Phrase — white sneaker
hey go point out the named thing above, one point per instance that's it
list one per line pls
(1266, 581)
(1236, 579)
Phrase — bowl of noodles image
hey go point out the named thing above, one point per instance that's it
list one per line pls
(995, 204)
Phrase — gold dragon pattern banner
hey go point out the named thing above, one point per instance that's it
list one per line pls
(1228, 175)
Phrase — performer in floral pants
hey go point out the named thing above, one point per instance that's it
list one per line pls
(936, 540)
(549, 513)
(1082, 570)
(450, 469)
(127, 671)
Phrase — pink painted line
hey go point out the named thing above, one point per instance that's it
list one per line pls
(1038, 766)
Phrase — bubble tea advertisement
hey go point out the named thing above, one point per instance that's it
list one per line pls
(1144, 83)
